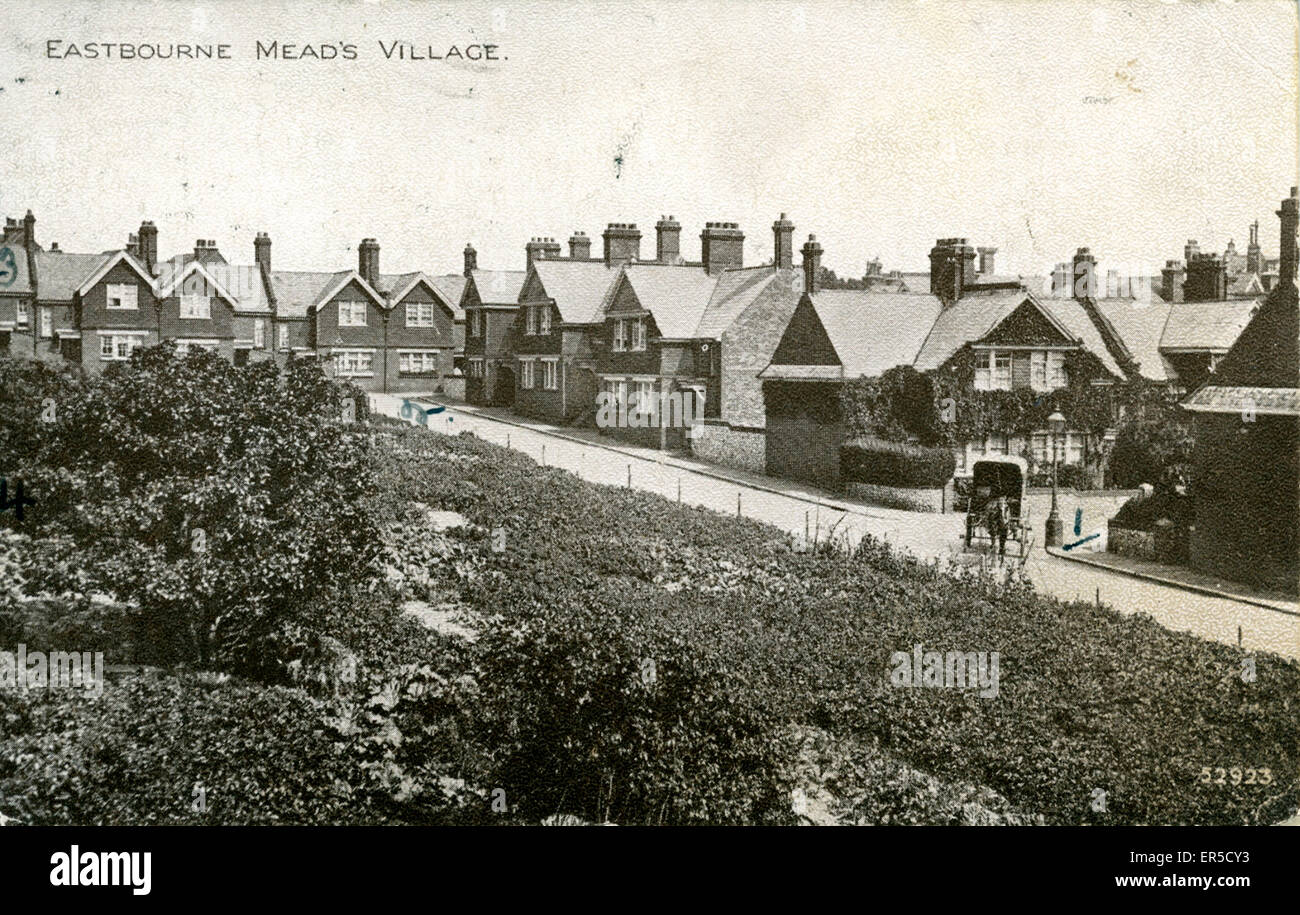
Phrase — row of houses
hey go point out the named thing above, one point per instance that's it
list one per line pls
(385, 331)
(757, 354)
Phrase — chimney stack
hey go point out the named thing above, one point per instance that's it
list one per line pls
(262, 251)
(579, 246)
(29, 230)
(986, 260)
(812, 264)
(471, 259)
(133, 245)
(1207, 279)
(541, 249)
(668, 240)
(722, 245)
(1254, 262)
(1171, 280)
(1190, 249)
(622, 243)
(952, 268)
(1287, 252)
(148, 245)
(368, 261)
(1062, 280)
(783, 243)
(1085, 275)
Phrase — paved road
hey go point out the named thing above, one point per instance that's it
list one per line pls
(928, 536)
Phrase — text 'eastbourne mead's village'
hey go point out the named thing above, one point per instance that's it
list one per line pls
(395, 49)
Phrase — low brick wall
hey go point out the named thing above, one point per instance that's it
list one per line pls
(1127, 542)
(743, 447)
(918, 500)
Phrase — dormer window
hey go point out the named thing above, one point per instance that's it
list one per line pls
(629, 335)
(197, 307)
(543, 320)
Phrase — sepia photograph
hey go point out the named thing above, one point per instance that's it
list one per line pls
(650, 413)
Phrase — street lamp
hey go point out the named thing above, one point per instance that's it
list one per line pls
(1055, 529)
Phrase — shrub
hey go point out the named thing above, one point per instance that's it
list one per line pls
(869, 460)
(1143, 513)
(1156, 451)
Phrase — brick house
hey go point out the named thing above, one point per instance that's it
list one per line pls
(18, 252)
(490, 301)
(1246, 482)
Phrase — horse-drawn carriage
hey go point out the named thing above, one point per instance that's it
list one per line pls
(997, 477)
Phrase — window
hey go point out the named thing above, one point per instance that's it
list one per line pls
(1056, 370)
(629, 334)
(1040, 448)
(117, 347)
(996, 444)
(638, 334)
(470, 321)
(645, 392)
(992, 370)
(184, 346)
(983, 376)
(352, 314)
(259, 333)
(47, 323)
(1038, 370)
(412, 363)
(476, 368)
(284, 337)
(550, 374)
(544, 319)
(123, 295)
(196, 306)
(419, 314)
(482, 322)
(1073, 448)
(620, 336)
(1001, 371)
(531, 318)
(526, 374)
(22, 314)
(350, 363)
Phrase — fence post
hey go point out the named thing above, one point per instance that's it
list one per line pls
(543, 454)
(737, 503)
(629, 476)
(679, 489)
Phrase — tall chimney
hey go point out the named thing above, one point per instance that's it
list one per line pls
(622, 243)
(1190, 249)
(812, 264)
(1171, 280)
(471, 259)
(1254, 262)
(783, 243)
(29, 230)
(133, 245)
(986, 260)
(262, 251)
(668, 240)
(952, 268)
(368, 261)
(1207, 279)
(722, 245)
(148, 245)
(1287, 252)
(1085, 275)
(579, 246)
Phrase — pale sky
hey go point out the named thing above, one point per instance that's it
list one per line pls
(877, 126)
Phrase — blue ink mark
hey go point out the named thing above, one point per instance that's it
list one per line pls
(1078, 520)
(1070, 546)
(8, 267)
(419, 413)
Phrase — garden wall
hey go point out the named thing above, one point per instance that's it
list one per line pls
(744, 447)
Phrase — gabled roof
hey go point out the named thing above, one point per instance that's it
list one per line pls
(580, 289)
(874, 331)
(398, 286)
(112, 259)
(167, 284)
(1206, 326)
(1267, 352)
(60, 274)
(342, 280)
(677, 296)
(736, 290)
(968, 319)
(297, 291)
(499, 287)
(1072, 315)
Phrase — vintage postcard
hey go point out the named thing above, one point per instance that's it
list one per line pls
(650, 413)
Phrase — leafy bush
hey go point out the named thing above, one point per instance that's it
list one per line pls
(868, 460)
(1144, 513)
(1154, 450)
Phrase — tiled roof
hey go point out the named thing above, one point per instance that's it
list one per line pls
(916, 282)
(579, 288)
(1140, 325)
(499, 287)
(678, 297)
(60, 274)
(1217, 398)
(243, 281)
(736, 290)
(968, 319)
(16, 279)
(874, 331)
(296, 291)
(1267, 353)
(452, 287)
(1072, 315)
(1209, 326)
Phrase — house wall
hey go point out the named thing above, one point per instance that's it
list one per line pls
(96, 316)
(219, 325)
(1246, 488)
(326, 322)
(747, 348)
(805, 429)
(743, 447)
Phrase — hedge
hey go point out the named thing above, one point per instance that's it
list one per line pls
(871, 460)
